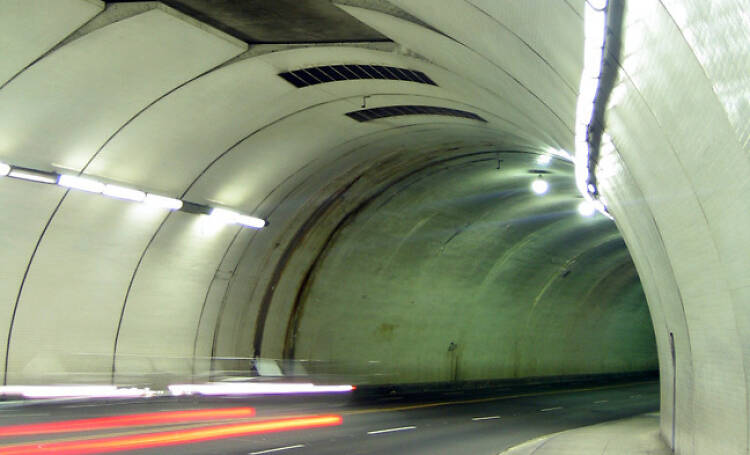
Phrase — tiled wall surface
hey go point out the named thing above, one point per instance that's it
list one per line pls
(679, 121)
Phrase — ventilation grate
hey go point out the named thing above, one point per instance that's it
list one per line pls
(393, 111)
(322, 74)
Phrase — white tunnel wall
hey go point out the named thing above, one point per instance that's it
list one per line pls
(680, 127)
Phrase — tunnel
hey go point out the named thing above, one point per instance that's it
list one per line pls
(383, 191)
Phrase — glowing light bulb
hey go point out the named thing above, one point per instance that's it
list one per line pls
(539, 186)
(586, 208)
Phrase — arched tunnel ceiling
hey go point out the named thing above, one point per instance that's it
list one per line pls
(146, 96)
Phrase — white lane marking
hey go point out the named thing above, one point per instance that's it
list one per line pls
(485, 418)
(551, 409)
(30, 414)
(635, 396)
(278, 449)
(391, 430)
(601, 401)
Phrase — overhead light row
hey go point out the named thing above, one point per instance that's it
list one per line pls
(595, 35)
(540, 186)
(91, 185)
(546, 158)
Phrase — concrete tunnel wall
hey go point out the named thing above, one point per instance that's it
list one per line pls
(463, 252)
(139, 94)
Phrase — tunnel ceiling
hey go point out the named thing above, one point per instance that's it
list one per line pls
(286, 21)
(173, 101)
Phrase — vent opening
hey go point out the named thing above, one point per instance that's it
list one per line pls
(365, 115)
(322, 74)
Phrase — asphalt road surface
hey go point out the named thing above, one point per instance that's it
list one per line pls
(447, 423)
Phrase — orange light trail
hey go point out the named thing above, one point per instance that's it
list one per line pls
(131, 420)
(169, 438)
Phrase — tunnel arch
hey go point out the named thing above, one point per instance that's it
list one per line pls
(145, 96)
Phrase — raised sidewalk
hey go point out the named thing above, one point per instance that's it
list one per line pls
(633, 436)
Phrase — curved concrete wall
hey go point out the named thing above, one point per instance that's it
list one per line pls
(464, 253)
(676, 187)
(144, 96)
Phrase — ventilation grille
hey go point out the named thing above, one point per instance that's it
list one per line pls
(323, 74)
(393, 111)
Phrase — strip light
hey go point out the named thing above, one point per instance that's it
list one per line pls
(80, 183)
(122, 192)
(231, 217)
(91, 185)
(163, 202)
(32, 175)
(595, 24)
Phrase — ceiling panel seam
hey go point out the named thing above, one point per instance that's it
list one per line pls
(572, 90)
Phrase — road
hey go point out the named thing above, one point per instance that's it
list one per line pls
(449, 423)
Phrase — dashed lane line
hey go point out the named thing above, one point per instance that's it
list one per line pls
(277, 449)
(392, 430)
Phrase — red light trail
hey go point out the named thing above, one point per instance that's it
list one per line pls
(168, 438)
(132, 420)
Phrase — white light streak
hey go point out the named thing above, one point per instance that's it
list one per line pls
(73, 391)
(255, 388)
(544, 159)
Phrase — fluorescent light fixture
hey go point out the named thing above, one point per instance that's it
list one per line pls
(586, 208)
(231, 217)
(539, 186)
(32, 175)
(122, 192)
(224, 215)
(251, 221)
(595, 32)
(4, 169)
(544, 159)
(255, 388)
(163, 202)
(80, 183)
